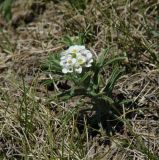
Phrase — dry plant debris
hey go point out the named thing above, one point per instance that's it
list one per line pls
(32, 126)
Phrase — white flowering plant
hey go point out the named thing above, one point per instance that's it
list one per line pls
(75, 58)
(86, 76)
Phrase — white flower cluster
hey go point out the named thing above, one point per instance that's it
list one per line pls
(75, 58)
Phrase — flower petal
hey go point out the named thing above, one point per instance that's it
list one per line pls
(70, 70)
(81, 60)
(87, 54)
(78, 70)
(64, 70)
(62, 63)
(89, 63)
(74, 60)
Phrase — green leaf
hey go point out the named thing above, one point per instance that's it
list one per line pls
(155, 33)
(64, 96)
(153, 54)
(73, 92)
(101, 58)
(76, 40)
(107, 99)
(96, 80)
(85, 79)
(78, 4)
(112, 80)
(5, 8)
(81, 38)
(126, 101)
(115, 60)
(67, 40)
(52, 64)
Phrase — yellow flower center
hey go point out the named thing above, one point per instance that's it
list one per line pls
(80, 61)
(73, 55)
(69, 61)
(74, 50)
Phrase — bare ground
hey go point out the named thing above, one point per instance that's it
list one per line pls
(35, 31)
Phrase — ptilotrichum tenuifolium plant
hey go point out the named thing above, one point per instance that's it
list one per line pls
(87, 78)
(75, 58)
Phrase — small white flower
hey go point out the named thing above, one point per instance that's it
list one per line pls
(70, 61)
(89, 63)
(76, 48)
(67, 61)
(78, 69)
(67, 70)
(87, 54)
(81, 60)
(74, 58)
(62, 62)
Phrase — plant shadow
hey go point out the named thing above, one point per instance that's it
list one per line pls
(102, 116)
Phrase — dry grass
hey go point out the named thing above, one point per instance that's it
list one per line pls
(32, 127)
